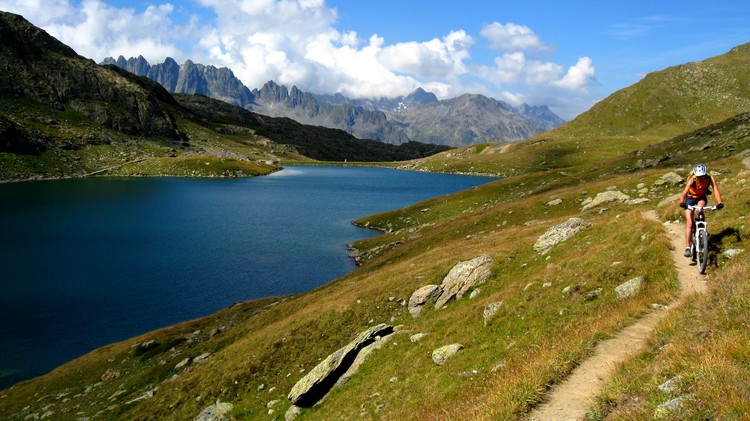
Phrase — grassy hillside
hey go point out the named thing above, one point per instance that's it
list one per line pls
(258, 350)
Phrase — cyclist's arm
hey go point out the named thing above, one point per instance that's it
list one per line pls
(687, 187)
(716, 189)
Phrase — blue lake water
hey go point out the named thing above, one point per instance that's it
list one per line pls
(88, 262)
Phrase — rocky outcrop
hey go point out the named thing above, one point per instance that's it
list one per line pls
(420, 297)
(321, 379)
(559, 233)
(463, 277)
(629, 289)
(604, 198)
(216, 412)
(441, 355)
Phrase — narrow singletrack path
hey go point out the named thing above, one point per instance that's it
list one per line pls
(571, 399)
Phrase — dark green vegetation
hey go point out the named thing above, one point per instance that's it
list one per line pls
(62, 115)
(551, 317)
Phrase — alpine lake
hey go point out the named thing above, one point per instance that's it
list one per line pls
(88, 262)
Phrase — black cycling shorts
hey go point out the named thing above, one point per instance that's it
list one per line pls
(693, 201)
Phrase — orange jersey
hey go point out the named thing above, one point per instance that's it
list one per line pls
(699, 187)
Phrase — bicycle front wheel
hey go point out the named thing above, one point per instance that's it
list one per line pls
(702, 250)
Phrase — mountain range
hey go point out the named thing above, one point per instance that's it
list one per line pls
(63, 115)
(419, 116)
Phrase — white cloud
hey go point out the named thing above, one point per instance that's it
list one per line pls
(579, 76)
(433, 59)
(296, 42)
(511, 37)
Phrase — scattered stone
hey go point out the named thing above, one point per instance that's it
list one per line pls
(319, 381)
(440, 355)
(657, 306)
(637, 201)
(670, 386)
(272, 403)
(554, 202)
(629, 289)
(420, 297)
(593, 295)
(559, 233)
(475, 293)
(606, 197)
(668, 408)
(640, 186)
(731, 253)
(201, 358)
(491, 310)
(464, 276)
(417, 337)
(182, 363)
(529, 285)
(292, 413)
(110, 375)
(216, 412)
(547, 285)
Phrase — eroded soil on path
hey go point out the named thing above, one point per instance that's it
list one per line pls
(571, 399)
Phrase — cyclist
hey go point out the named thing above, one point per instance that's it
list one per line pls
(695, 194)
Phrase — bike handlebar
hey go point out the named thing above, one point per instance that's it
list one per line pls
(691, 207)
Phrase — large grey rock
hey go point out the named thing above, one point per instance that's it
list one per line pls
(731, 253)
(420, 297)
(606, 197)
(216, 412)
(629, 289)
(292, 413)
(440, 355)
(319, 381)
(668, 408)
(559, 233)
(464, 276)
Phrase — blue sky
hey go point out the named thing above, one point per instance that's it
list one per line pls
(564, 54)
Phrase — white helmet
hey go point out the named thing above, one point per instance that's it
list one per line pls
(700, 170)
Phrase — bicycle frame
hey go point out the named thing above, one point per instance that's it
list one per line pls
(699, 242)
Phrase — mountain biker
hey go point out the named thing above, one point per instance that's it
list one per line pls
(695, 194)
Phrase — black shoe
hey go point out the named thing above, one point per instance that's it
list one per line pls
(687, 252)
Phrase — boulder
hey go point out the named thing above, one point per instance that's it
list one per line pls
(606, 197)
(292, 413)
(464, 276)
(491, 310)
(216, 412)
(731, 253)
(440, 355)
(417, 337)
(629, 289)
(321, 379)
(420, 297)
(668, 408)
(669, 179)
(559, 233)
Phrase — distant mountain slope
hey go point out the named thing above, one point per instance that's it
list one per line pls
(672, 101)
(465, 120)
(392, 120)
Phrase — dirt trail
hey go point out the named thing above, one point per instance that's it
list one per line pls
(570, 399)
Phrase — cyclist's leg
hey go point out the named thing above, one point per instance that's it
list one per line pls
(688, 231)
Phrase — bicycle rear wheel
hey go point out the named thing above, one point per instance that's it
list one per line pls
(702, 249)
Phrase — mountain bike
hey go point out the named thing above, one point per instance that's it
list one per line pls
(699, 242)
